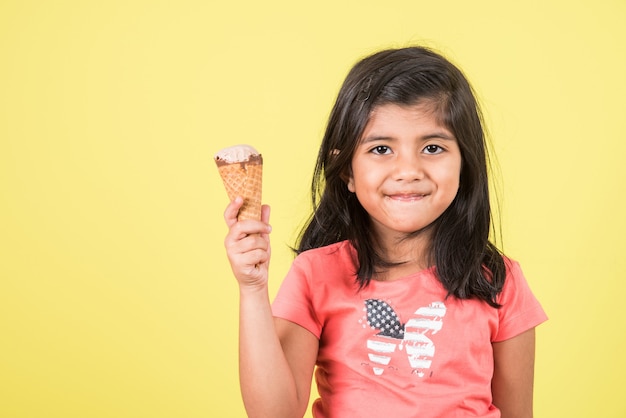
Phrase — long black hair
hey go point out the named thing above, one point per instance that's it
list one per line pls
(466, 262)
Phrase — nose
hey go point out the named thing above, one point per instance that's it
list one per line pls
(407, 167)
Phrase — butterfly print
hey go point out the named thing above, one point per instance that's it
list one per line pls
(394, 334)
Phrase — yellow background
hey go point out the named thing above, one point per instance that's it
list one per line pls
(116, 299)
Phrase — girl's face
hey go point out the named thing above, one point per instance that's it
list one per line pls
(405, 170)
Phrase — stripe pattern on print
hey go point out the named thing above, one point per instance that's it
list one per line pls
(380, 347)
(420, 349)
(393, 334)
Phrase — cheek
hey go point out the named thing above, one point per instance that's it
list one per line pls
(450, 181)
(450, 175)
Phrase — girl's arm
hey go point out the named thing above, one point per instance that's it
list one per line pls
(276, 357)
(514, 369)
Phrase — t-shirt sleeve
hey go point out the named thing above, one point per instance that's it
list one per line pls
(520, 309)
(293, 301)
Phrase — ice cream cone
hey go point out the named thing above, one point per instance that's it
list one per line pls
(241, 169)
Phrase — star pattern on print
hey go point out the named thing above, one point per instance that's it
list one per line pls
(382, 317)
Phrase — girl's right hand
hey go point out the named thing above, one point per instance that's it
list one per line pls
(248, 246)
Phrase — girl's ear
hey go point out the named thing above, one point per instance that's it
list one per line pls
(346, 176)
(350, 183)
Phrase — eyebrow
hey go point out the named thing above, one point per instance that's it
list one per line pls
(440, 135)
(435, 135)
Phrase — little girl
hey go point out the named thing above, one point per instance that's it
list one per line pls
(397, 299)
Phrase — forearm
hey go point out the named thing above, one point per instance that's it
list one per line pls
(267, 383)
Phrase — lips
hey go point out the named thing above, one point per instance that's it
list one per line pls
(407, 197)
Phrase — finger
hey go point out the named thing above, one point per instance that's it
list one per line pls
(241, 229)
(257, 257)
(265, 217)
(248, 259)
(265, 213)
(232, 210)
(246, 243)
(248, 255)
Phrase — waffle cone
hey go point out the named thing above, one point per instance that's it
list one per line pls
(244, 179)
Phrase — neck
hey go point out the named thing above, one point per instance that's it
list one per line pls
(408, 254)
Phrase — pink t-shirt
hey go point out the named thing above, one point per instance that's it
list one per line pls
(400, 348)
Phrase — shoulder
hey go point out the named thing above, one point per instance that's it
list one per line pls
(328, 265)
(514, 275)
(315, 277)
(515, 283)
(339, 254)
(520, 309)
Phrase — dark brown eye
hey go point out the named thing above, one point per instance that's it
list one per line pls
(433, 149)
(381, 150)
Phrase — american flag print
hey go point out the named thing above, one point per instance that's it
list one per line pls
(412, 336)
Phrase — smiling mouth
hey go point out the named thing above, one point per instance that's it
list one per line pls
(407, 197)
